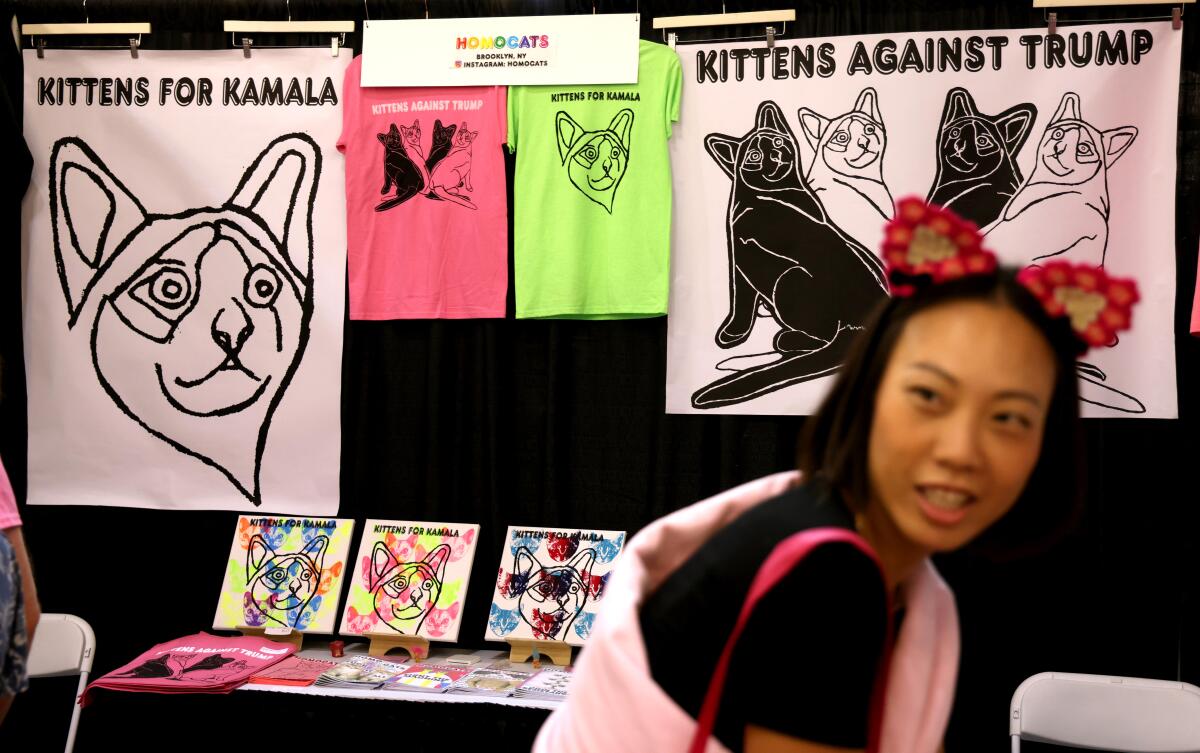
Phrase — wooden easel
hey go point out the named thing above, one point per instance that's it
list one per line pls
(280, 634)
(381, 643)
(522, 650)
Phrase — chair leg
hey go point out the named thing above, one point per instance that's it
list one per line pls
(83, 678)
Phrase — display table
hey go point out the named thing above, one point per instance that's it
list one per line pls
(320, 650)
(307, 718)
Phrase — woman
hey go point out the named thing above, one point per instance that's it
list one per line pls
(768, 613)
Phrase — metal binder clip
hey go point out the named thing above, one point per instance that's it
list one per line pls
(41, 48)
(1176, 18)
(672, 38)
(133, 47)
(770, 37)
(246, 42)
(334, 46)
(1052, 24)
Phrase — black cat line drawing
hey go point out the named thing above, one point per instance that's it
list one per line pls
(846, 172)
(1062, 209)
(399, 169)
(404, 593)
(443, 138)
(198, 320)
(179, 666)
(552, 596)
(595, 160)
(977, 170)
(453, 172)
(279, 585)
(1062, 212)
(787, 260)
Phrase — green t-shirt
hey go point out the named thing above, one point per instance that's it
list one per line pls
(592, 228)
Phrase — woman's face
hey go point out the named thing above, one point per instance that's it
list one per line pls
(958, 422)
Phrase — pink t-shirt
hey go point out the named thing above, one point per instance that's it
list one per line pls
(9, 517)
(426, 205)
(1196, 309)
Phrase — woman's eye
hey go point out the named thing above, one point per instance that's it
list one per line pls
(1014, 420)
(869, 130)
(925, 395)
(1085, 148)
(983, 141)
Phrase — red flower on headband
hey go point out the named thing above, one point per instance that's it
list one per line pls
(927, 240)
(1098, 306)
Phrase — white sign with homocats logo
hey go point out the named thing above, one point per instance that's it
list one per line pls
(530, 50)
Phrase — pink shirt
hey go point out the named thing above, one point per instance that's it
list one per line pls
(9, 517)
(1195, 328)
(426, 203)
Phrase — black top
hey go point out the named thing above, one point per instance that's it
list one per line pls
(825, 624)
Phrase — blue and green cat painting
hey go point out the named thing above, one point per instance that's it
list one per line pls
(284, 573)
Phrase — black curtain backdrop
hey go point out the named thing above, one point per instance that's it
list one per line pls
(562, 424)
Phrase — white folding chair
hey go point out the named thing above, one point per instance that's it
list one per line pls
(1099, 712)
(63, 645)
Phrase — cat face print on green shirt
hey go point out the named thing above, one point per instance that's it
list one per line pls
(595, 160)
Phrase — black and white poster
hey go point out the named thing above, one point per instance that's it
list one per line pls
(184, 260)
(787, 163)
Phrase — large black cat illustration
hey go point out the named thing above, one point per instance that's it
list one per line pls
(977, 170)
(443, 141)
(403, 167)
(789, 260)
(198, 320)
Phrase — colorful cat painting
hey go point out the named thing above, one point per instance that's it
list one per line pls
(551, 583)
(787, 260)
(280, 585)
(198, 320)
(550, 597)
(595, 160)
(846, 172)
(977, 170)
(410, 577)
(1062, 209)
(443, 138)
(453, 172)
(405, 592)
(403, 165)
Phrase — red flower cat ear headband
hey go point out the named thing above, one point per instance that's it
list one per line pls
(925, 243)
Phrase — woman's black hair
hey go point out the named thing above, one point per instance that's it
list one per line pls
(835, 441)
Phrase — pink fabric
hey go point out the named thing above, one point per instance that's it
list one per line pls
(200, 663)
(441, 252)
(9, 517)
(1195, 328)
(615, 705)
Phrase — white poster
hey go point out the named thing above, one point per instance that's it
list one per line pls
(787, 162)
(184, 246)
(505, 50)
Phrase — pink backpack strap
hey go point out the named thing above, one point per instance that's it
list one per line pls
(782, 559)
